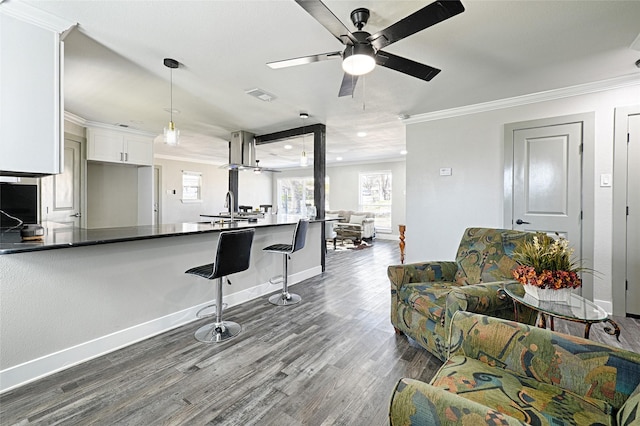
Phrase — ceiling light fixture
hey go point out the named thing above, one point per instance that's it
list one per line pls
(304, 160)
(362, 134)
(358, 59)
(171, 134)
(403, 152)
(287, 146)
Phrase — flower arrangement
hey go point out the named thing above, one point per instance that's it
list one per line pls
(546, 263)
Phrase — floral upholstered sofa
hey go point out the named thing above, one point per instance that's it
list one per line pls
(500, 372)
(425, 295)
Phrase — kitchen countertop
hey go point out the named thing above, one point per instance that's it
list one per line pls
(58, 237)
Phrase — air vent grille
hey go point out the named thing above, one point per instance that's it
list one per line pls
(260, 94)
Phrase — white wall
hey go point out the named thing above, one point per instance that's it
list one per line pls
(343, 190)
(112, 195)
(253, 190)
(439, 208)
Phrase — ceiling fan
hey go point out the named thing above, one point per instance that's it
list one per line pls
(363, 50)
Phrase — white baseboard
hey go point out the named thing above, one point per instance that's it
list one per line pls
(30, 371)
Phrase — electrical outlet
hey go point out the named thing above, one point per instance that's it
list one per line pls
(445, 171)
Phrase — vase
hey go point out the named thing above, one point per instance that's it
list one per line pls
(548, 294)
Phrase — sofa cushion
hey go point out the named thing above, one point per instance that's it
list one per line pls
(523, 398)
(357, 219)
(484, 254)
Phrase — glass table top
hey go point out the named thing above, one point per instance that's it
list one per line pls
(575, 308)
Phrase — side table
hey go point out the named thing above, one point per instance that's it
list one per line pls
(576, 309)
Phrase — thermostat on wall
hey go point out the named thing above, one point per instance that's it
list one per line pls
(445, 171)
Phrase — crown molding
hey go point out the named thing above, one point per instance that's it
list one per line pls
(33, 15)
(549, 95)
(75, 119)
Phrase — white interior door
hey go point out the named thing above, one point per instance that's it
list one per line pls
(547, 181)
(60, 194)
(633, 217)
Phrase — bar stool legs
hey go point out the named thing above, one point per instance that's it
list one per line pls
(285, 298)
(218, 331)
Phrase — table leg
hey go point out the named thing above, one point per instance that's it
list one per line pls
(587, 328)
(542, 320)
(613, 332)
(552, 325)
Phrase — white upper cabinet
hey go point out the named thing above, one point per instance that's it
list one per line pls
(31, 100)
(119, 147)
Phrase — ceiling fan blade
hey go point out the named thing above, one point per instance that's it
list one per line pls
(348, 85)
(327, 19)
(304, 60)
(406, 66)
(429, 15)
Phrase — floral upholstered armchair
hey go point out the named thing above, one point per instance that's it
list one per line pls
(500, 372)
(425, 295)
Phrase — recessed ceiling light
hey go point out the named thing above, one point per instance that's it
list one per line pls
(338, 158)
(403, 152)
(288, 146)
(362, 134)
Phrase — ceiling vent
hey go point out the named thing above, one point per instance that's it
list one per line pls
(260, 94)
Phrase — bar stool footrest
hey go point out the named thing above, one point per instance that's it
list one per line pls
(200, 315)
(278, 279)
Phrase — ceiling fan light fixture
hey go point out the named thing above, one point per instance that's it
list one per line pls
(358, 59)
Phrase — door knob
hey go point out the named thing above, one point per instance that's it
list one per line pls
(75, 215)
(521, 222)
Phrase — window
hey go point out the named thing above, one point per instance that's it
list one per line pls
(295, 193)
(191, 187)
(375, 196)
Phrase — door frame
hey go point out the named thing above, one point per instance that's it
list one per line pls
(619, 211)
(586, 180)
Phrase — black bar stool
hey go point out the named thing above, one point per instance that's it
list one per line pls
(299, 238)
(232, 255)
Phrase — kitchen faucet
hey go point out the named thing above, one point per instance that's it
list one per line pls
(230, 203)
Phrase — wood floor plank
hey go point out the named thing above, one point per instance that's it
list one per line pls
(332, 359)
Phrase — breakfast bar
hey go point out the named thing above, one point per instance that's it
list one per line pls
(81, 293)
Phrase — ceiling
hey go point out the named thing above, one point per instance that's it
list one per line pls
(114, 70)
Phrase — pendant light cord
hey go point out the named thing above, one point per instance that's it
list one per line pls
(171, 94)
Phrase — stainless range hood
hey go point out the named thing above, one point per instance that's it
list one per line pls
(242, 153)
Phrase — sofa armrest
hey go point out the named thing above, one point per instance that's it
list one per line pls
(582, 366)
(484, 298)
(368, 228)
(421, 272)
(418, 403)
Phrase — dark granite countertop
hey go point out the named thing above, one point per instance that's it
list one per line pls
(57, 237)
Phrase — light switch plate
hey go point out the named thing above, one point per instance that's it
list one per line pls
(605, 180)
(445, 171)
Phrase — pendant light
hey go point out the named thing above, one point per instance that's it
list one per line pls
(171, 134)
(304, 160)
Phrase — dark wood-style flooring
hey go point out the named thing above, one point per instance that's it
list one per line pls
(333, 359)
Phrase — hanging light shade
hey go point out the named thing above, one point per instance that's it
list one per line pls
(304, 160)
(171, 134)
